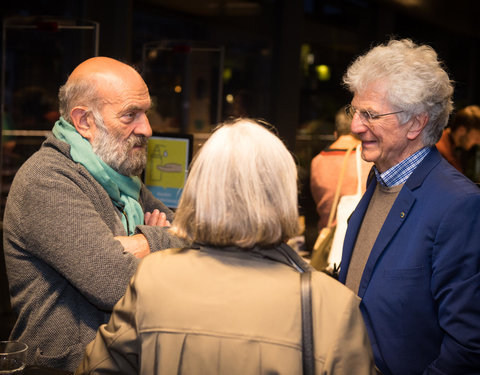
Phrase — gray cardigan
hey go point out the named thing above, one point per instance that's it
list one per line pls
(65, 269)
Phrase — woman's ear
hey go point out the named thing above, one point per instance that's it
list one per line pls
(416, 126)
(83, 122)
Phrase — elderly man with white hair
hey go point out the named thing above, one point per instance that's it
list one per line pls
(412, 248)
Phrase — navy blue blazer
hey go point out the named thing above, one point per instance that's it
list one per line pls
(420, 288)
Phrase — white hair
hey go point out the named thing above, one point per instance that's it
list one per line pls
(241, 190)
(78, 92)
(415, 79)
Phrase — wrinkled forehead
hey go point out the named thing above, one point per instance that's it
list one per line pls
(374, 92)
(126, 90)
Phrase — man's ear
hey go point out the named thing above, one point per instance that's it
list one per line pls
(416, 126)
(83, 122)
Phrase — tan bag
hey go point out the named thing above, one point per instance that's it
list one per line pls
(321, 249)
(345, 206)
(323, 244)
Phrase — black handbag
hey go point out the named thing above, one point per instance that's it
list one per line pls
(307, 323)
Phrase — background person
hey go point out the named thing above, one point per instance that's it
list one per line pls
(458, 139)
(73, 225)
(229, 303)
(411, 251)
(325, 169)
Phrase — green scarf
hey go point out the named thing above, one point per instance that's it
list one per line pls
(123, 190)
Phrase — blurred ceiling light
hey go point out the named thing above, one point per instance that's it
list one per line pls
(323, 72)
(152, 54)
(310, 58)
(305, 53)
(178, 89)
(229, 98)
(227, 74)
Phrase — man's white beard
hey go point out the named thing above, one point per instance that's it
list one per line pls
(115, 151)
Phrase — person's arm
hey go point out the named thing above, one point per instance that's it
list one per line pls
(116, 347)
(138, 244)
(455, 286)
(59, 215)
(322, 196)
(156, 225)
(150, 204)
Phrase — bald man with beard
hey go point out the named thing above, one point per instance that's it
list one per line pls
(78, 219)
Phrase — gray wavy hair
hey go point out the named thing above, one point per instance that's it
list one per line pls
(75, 93)
(416, 82)
(241, 190)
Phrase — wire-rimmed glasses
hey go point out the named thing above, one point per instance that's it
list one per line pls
(365, 116)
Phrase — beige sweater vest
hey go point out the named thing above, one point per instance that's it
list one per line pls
(377, 211)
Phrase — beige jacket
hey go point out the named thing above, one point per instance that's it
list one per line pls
(226, 311)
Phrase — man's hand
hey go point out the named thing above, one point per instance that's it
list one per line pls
(136, 244)
(156, 218)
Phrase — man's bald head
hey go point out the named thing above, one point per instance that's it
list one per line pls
(100, 64)
(107, 101)
(94, 81)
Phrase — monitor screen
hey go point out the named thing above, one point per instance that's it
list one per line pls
(168, 159)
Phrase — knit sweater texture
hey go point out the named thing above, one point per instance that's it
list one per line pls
(65, 269)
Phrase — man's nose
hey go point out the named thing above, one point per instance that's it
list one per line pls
(357, 126)
(143, 127)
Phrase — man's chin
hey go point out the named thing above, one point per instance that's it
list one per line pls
(131, 172)
(136, 170)
(138, 152)
(369, 156)
(131, 169)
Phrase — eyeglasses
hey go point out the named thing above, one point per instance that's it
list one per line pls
(365, 116)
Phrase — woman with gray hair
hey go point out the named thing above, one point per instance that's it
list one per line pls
(229, 303)
(411, 251)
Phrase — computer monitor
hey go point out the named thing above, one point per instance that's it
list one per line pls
(168, 158)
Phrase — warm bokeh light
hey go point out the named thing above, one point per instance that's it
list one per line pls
(323, 72)
(227, 74)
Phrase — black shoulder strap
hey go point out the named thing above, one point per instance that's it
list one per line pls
(307, 324)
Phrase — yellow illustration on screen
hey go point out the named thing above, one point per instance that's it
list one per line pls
(166, 161)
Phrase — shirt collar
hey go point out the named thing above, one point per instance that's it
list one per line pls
(399, 173)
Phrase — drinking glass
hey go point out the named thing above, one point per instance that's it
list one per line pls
(12, 357)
